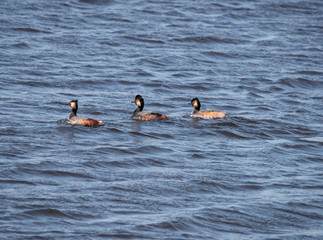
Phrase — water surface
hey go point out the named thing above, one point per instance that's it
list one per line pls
(254, 175)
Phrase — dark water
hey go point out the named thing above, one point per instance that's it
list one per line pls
(255, 175)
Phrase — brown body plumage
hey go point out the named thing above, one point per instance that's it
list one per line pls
(206, 114)
(74, 119)
(145, 115)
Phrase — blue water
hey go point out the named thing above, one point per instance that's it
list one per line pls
(255, 175)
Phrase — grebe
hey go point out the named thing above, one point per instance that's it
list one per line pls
(206, 114)
(145, 115)
(73, 119)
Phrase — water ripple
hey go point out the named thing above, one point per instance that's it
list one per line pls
(255, 174)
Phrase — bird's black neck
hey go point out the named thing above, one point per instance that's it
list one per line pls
(139, 108)
(73, 113)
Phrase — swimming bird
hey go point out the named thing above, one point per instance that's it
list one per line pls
(74, 119)
(145, 115)
(206, 114)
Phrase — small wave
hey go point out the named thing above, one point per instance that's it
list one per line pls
(48, 212)
(138, 39)
(20, 45)
(125, 20)
(300, 213)
(143, 73)
(96, 2)
(32, 30)
(299, 82)
(149, 162)
(197, 156)
(183, 224)
(217, 219)
(276, 89)
(233, 135)
(250, 186)
(114, 150)
(142, 134)
(158, 63)
(9, 132)
(181, 74)
(110, 43)
(311, 73)
(313, 139)
(16, 182)
(124, 163)
(206, 39)
(59, 173)
(228, 124)
(115, 130)
(293, 101)
(207, 185)
(128, 82)
(31, 83)
(217, 54)
(152, 149)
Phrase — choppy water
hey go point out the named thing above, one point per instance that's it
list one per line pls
(255, 175)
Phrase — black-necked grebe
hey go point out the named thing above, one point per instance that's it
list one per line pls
(206, 114)
(73, 119)
(145, 115)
